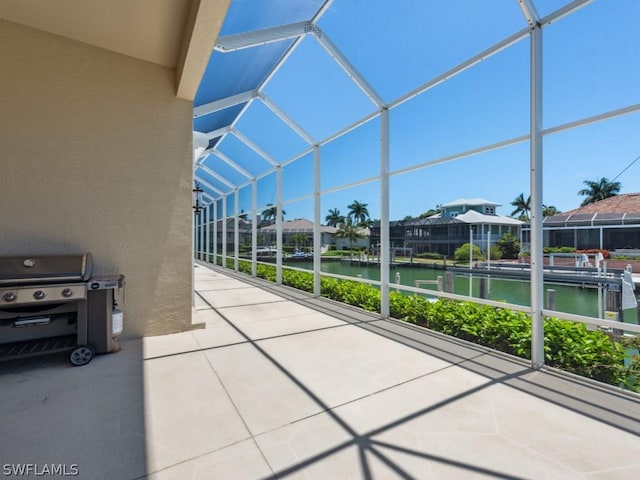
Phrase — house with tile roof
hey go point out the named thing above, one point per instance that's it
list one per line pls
(611, 224)
(298, 227)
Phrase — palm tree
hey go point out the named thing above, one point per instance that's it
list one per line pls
(549, 211)
(334, 218)
(358, 212)
(349, 230)
(368, 223)
(429, 213)
(270, 213)
(298, 239)
(523, 207)
(599, 190)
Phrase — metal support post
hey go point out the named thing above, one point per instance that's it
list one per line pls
(600, 292)
(489, 259)
(215, 232)
(236, 229)
(254, 228)
(601, 238)
(207, 234)
(470, 260)
(279, 251)
(193, 258)
(317, 233)
(537, 274)
(201, 226)
(384, 212)
(196, 236)
(224, 231)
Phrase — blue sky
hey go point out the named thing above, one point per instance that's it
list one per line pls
(591, 66)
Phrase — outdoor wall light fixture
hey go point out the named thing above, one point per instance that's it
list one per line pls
(197, 198)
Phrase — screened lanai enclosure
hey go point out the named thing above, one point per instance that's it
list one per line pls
(319, 107)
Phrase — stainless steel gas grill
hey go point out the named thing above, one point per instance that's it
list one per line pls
(52, 304)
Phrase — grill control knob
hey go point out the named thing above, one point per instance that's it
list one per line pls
(39, 294)
(9, 297)
(67, 292)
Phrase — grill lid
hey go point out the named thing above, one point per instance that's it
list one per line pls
(45, 268)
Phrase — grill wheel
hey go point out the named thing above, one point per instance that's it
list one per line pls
(81, 355)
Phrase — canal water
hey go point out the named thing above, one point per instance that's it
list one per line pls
(569, 298)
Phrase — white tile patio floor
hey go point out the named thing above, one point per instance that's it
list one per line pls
(281, 385)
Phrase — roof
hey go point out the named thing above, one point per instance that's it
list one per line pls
(617, 210)
(243, 225)
(626, 202)
(301, 225)
(471, 216)
(471, 202)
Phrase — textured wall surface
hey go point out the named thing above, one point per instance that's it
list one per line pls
(95, 155)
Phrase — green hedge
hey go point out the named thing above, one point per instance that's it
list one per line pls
(338, 253)
(567, 345)
(429, 255)
(559, 250)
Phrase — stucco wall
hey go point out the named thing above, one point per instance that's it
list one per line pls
(95, 155)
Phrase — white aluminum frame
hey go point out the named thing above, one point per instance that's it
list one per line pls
(292, 124)
(279, 251)
(204, 183)
(535, 143)
(233, 164)
(217, 176)
(224, 231)
(215, 232)
(236, 229)
(207, 233)
(253, 146)
(534, 31)
(257, 38)
(384, 212)
(344, 63)
(201, 226)
(226, 102)
(317, 218)
(254, 227)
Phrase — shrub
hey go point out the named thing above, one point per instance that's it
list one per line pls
(567, 345)
(462, 253)
(559, 250)
(429, 255)
(509, 245)
(300, 280)
(589, 353)
(496, 253)
(337, 253)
